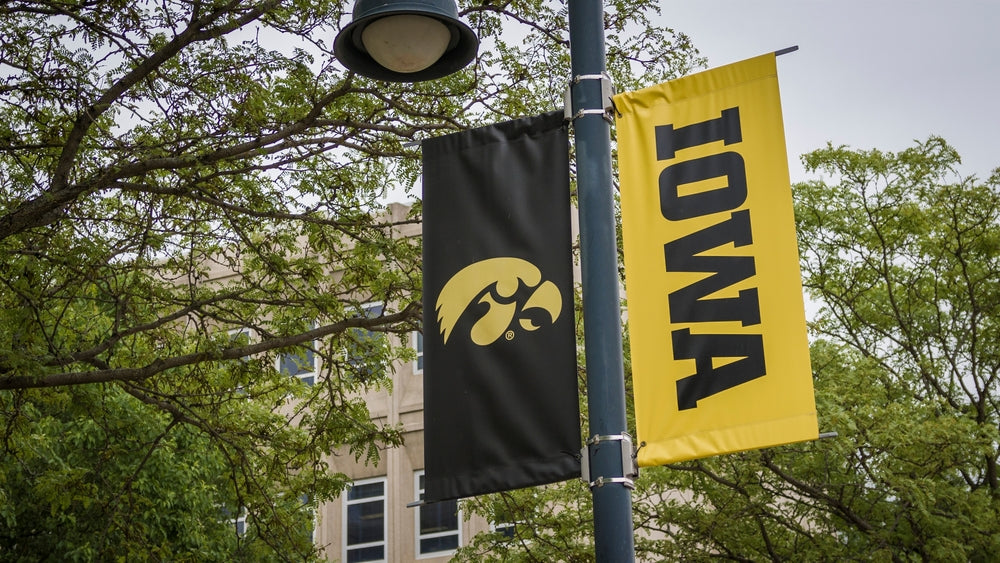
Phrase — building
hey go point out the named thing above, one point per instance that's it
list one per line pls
(371, 521)
(374, 520)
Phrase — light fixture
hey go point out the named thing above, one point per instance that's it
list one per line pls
(405, 40)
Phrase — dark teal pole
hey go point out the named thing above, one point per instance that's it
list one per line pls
(601, 308)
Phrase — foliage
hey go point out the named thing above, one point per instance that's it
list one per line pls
(900, 255)
(96, 477)
(173, 171)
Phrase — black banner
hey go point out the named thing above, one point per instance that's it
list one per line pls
(500, 384)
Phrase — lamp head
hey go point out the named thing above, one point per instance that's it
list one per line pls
(405, 40)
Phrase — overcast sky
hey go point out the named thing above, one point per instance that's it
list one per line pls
(869, 74)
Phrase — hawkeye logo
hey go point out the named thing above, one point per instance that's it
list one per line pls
(500, 284)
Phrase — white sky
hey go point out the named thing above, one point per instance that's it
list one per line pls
(868, 74)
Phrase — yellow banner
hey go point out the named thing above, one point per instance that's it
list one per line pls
(720, 358)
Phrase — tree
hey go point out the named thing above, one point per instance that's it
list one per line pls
(900, 256)
(191, 189)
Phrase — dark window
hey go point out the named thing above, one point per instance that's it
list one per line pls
(418, 345)
(364, 521)
(364, 346)
(437, 524)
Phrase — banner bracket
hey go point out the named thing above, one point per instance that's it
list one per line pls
(607, 95)
(601, 481)
(630, 468)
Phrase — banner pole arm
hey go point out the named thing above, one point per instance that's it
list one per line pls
(613, 531)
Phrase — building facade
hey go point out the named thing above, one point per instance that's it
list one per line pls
(372, 521)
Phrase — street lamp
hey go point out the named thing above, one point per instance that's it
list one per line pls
(609, 448)
(405, 40)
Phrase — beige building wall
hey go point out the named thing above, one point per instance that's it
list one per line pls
(399, 466)
(403, 406)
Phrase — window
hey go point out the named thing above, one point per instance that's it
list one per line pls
(240, 522)
(418, 345)
(505, 524)
(241, 337)
(507, 530)
(363, 345)
(364, 521)
(310, 529)
(300, 363)
(238, 338)
(437, 524)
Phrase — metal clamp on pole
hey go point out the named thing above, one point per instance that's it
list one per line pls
(607, 93)
(629, 468)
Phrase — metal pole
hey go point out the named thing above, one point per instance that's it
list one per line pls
(613, 540)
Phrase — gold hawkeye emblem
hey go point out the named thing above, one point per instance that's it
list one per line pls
(503, 275)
